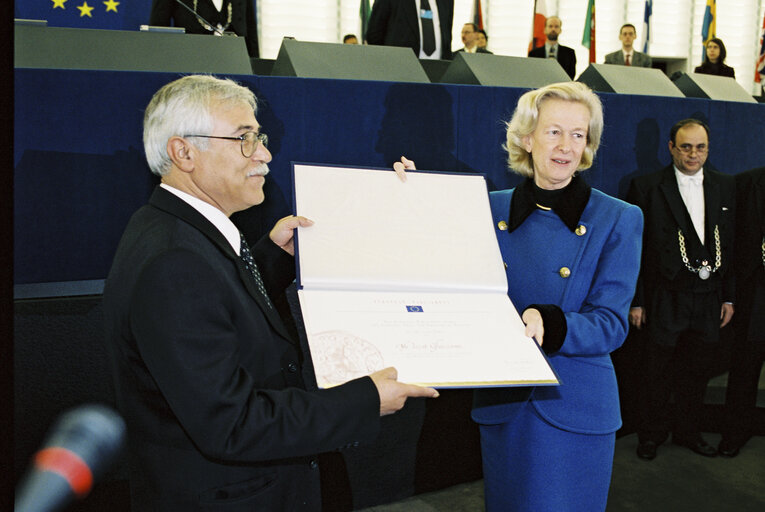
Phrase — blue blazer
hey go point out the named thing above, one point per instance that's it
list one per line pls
(604, 261)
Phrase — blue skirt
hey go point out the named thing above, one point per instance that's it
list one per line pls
(530, 465)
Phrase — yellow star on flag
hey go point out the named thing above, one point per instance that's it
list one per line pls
(85, 10)
(111, 5)
(59, 3)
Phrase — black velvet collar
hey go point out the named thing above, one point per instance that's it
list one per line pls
(568, 207)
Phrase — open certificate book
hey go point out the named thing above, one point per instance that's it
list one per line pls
(407, 275)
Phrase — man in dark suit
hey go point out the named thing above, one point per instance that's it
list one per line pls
(426, 29)
(686, 286)
(207, 377)
(565, 56)
(748, 350)
(236, 16)
(483, 41)
(470, 39)
(628, 56)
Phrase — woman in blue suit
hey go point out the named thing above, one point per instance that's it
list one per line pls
(572, 255)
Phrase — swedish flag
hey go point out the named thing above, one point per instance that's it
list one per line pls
(709, 27)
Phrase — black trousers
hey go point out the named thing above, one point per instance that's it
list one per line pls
(747, 356)
(681, 347)
(684, 370)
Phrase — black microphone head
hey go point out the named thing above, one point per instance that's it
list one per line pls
(93, 432)
(78, 450)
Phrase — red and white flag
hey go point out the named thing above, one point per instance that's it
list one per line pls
(538, 37)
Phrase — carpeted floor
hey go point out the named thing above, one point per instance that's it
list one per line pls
(678, 480)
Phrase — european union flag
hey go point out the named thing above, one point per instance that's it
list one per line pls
(414, 309)
(101, 14)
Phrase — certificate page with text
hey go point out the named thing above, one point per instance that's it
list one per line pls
(407, 274)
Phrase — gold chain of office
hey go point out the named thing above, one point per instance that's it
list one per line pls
(763, 251)
(208, 27)
(705, 270)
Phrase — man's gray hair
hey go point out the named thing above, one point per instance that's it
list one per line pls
(184, 107)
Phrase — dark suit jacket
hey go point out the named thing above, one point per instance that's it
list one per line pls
(639, 59)
(242, 18)
(566, 58)
(707, 68)
(750, 230)
(208, 378)
(478, 50)
(662, 268)
(394, 23)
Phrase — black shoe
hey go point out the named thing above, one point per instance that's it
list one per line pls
(646, 450)
(696, 444)
(728, 448)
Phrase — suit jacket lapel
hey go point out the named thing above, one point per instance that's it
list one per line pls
(712, 204)
(413, 15)
(173, 205)
(252, 288)
(671, 193)
(444, 11)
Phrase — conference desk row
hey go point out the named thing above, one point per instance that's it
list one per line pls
(169, 49)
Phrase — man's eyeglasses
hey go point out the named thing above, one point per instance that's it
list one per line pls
(248, 141)
(688, 148)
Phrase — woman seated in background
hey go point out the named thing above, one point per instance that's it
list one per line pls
(714, 64)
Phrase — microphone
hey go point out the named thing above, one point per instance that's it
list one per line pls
(205, 23)
(79, 449)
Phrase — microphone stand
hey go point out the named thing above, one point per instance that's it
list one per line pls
(207, 24)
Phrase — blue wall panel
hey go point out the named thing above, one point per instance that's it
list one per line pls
(80, 173)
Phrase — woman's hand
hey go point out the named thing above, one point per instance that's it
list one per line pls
(400, 167)
(534, 325)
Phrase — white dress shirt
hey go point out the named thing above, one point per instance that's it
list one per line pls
(211, 213)
(692, 191)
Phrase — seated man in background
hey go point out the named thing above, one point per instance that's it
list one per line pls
(483, 40)
(628, 56)
(565, 56)
(470, 39)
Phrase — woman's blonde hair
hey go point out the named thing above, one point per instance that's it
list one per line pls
(526, 116)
